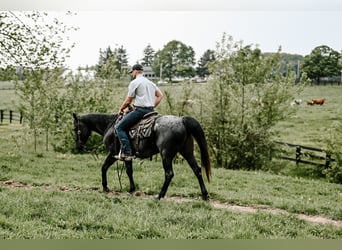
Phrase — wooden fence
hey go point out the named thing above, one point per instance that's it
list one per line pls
(11, 116)
(307, 155)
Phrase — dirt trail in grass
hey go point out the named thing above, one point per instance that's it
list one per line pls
(214, 203)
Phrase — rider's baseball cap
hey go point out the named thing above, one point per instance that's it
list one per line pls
(136, 67)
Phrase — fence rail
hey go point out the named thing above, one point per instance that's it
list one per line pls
(307, 155)
(10, 115)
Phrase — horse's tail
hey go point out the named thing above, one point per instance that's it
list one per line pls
(194, 127)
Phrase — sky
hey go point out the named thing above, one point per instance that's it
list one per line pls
(298, 26)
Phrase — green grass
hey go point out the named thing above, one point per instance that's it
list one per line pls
(51, 214)
(61, 198)
(8, 99)
(310, 124)
(60, 195)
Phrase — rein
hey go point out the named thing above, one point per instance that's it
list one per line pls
(119, 172)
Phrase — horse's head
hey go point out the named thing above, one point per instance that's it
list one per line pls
(82, 132)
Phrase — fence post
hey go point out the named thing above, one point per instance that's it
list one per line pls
(327, 160)
(1, 115)
(298, 153)
(11, 115)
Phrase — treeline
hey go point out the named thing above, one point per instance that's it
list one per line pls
(176, 60)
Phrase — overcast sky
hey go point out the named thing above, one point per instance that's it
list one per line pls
(298, 26)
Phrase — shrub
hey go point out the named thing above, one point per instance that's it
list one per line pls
(334, 172)
(250, 95)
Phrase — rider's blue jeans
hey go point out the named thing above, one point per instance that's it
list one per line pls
(125, 123)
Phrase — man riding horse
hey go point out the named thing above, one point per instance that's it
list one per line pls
(169, 135)
(146, 96)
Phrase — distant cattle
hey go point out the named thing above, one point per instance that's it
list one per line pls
(318, 101)
(296, 102)
(310, 103)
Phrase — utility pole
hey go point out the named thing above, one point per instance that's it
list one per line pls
(298, 69)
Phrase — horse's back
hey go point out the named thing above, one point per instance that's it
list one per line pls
(170, 128)
(169, 123)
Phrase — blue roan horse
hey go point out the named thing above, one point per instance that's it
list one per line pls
(170, 135)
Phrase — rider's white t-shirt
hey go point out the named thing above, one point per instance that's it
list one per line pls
(143, 91)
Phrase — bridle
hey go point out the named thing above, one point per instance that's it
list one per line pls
(78, 132)
(79, 141)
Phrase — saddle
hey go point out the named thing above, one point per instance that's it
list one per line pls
(143, 129)
(141, 133)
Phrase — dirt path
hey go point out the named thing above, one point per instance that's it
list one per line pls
(214, 203)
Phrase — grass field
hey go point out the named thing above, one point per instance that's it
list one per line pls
(310, 124)
(48, 195)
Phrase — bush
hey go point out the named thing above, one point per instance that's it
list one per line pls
(81, 96)
(250, 96)
(334, 172)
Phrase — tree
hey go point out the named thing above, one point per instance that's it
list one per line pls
(122, 60)
(207, 57)
(323, 61)
(107, 68)
(334, 143)
(36, 43)
(105, 56)
(148, 56)
(289, 63)
(176, 60)
(8, 73)
(112, 64)
(32, 40)
(250, 96)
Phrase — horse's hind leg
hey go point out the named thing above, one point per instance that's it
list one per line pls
(198, 172)
(167, 164)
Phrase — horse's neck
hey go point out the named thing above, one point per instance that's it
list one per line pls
(99, 123)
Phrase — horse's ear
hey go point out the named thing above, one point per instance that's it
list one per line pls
(75, 116)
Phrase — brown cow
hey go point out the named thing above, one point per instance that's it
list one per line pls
(318, 101)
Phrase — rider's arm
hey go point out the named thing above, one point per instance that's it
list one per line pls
(159, 96)
(125, 104)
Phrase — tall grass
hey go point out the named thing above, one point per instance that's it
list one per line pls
(59, 195)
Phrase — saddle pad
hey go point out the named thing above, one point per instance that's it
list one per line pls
(143, 128)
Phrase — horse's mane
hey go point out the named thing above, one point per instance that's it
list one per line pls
(99, 120)
(99, 117)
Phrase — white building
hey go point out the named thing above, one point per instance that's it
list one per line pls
(149, 73)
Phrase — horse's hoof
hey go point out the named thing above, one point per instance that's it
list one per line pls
(205, 198)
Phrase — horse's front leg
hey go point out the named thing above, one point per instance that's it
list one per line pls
(129, 172)
(108, 162)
